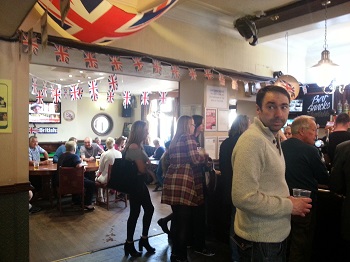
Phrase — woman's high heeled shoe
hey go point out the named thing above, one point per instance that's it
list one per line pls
(143, 243)
(129, 249)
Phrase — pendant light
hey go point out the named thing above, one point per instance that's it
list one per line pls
(325, 67)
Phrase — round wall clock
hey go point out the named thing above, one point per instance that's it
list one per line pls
(68, 115)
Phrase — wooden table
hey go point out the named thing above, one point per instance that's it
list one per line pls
(46, 172)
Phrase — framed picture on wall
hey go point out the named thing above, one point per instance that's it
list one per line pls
(223, 124)
(211, 119)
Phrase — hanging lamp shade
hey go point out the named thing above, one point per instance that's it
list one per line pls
(325, 60)
(100, 21)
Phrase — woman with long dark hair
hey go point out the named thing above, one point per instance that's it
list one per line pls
(183, 189)
(198, 128)
(134, 151)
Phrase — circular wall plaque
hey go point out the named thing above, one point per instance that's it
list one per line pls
(68, 115)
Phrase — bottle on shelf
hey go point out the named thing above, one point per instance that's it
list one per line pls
(346, 107)
(339, 108)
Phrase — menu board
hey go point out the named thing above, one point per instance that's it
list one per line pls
(319, 106)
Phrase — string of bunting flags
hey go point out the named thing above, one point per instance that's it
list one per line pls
(75, 91)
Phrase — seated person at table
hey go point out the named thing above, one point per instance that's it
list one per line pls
(120, 143)
(97, 140)
(148, 148)
(34, 152)
(159, 149)
(70, 159)
(62, 148)
(90, 150)
(107, 158)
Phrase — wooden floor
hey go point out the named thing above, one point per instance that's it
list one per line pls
(55, 237)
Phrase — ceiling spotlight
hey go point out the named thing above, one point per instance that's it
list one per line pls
(70, 75)
(81, 71)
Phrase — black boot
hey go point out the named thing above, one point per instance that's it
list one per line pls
(143, 243)
(164, 225)
(129, 248)
(174, 258)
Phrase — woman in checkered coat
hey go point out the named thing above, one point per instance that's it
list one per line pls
(183, 189)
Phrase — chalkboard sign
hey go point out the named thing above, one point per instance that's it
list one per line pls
(318, 105)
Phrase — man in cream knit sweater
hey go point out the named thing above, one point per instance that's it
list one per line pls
(259, 189)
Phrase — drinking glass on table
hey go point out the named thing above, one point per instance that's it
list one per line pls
(82, 155)
(36, 165)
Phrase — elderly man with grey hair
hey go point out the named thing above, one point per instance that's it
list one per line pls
(107, 158)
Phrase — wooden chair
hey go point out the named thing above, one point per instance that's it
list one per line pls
(106, 192)
(71, 181)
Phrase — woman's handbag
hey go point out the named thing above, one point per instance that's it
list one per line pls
(124, 176)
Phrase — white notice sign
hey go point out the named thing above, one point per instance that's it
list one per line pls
(216, 97)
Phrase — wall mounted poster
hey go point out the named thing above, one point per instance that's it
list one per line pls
(210, 145)
(211, 119)
(5, 106)
(223, 124)
(216, 97)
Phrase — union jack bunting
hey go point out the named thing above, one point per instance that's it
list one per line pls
(175, 72)
(162, 97)
(25, 43)
(74, 92)
(113, 82)
(221, 79)
(65, 92)
(44, 89)
(137, 63)
(52, 89)
(61, 53)
(95, 21)
(34, 86)
(126, 98)
(80, 92)
(56, 95)
(110, 96)
(157, 67)
(39, 97)
(93, 90)
(208, 74)
(234, 84)
(90, 60)
(145, 98)
(115, 63)
(192, 73)
(33, 130)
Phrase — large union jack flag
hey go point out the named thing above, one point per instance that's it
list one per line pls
(61, 53)
(90, 60)
(145, 98)
(116, 64)
(93, 90)
(95, 21)
(113, 82)
(126, 98)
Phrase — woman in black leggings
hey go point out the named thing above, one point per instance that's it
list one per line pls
(134, 152)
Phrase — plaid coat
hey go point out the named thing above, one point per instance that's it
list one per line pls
(183, 181)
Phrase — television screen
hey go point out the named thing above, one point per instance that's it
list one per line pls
(45, 113)
(296, 105)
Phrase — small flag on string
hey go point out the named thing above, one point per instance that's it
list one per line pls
(126, 98)
(234, 84)
(93, 90)
(90, 60)
(74, 92)
(175, 72)
(192, 73)
(52, 89)
(137, 63)
(208, 74)
(162, 97)
(65, 92)
(116, 64)
(110, 96)
(157, 67)
(222, 79)
(61, 53)
(44, 89)
(80, 92)
(64, 8)
(113, 82)
(34, 86)
(39, 97)
(33, 130)
(56, 95)
(35, 46)
(145, 98)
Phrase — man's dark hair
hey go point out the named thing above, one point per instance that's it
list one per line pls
(271, 88)
(342, 118)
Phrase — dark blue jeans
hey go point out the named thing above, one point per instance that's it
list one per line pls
(261, 252)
